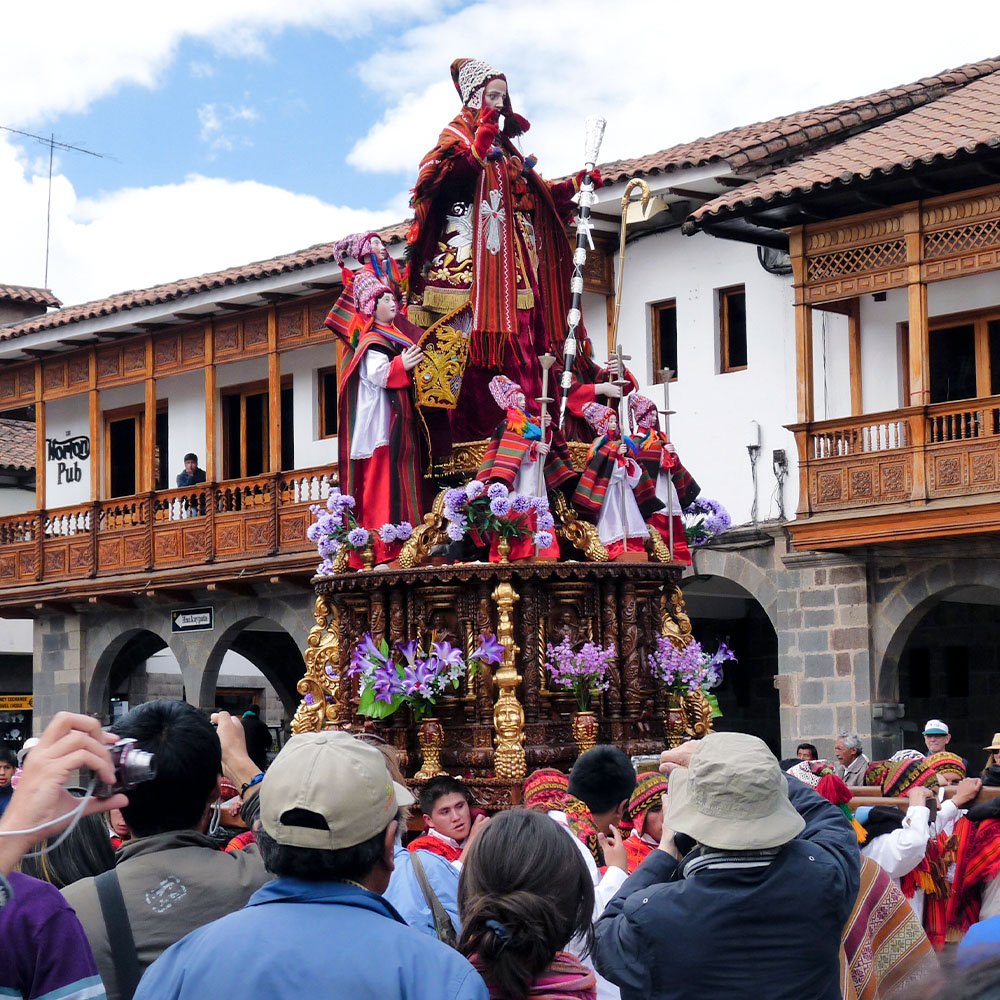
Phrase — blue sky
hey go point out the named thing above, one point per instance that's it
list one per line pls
(235, 130)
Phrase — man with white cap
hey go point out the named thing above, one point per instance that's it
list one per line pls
(937, 735)
(726, 921)
(329, 814)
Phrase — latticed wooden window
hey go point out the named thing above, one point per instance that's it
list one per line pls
(962, 238)
(857, 260)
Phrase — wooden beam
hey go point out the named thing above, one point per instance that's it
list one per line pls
(82, 342)
(39, 352)
(148, 475)
(94, 401)
(854, 352)
(160, 325)
(195, 317)
(233, 307)
(174, 596)
(685, 192)
(273, 391)
(803, 332)
(274, 298)
(322, 286)
(55, 607)
(121, 601)
(211, 402)
(917, 311)
(40, 450)
(233, 587)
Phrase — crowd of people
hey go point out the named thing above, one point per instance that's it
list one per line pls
(724, 873)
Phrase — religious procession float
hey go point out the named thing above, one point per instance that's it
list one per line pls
(500, 577)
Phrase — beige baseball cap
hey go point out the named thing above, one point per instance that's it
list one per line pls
(732, 796)
(341, 779)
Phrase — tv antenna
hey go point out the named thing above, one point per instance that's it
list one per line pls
(53, 144)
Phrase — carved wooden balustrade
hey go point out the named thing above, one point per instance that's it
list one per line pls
(901, 456)
(238, 519)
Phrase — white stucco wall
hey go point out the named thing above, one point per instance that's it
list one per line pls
(712, 424)
(310, 449)
(67, 480)
(14, 500)
(16, 635)
(186, 429)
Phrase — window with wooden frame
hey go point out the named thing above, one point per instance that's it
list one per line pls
(246, 429)
(963, 354)
(327, 379)
(123, 459)
(732, 328)
(663, 323)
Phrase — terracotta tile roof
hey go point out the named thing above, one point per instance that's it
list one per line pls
(965, 119)
(17, 444)
(319, 254)
(25, 293)
(756, 145)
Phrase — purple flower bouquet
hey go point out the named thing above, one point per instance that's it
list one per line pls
(580, 671)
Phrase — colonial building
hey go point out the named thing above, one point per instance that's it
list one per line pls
(821, 286)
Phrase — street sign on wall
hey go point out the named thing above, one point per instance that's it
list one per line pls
(192, 620)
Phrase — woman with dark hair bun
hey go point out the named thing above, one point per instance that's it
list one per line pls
(524, 894)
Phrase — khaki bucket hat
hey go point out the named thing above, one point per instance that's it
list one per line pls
(732, 796)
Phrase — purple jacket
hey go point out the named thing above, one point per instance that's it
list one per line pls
(44, 952)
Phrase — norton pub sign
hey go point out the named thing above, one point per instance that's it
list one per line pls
(192, 620)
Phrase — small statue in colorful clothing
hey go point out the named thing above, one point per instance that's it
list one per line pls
(619, 513)
(380, 447)
(675, 487)
(488, 236)
(512, 458)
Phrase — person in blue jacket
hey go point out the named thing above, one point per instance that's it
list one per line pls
(329, 813)
(756, 909)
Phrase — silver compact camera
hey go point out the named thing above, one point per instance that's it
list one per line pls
(132, 767)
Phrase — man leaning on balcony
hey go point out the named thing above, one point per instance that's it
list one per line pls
(852, 762)
(191, 476)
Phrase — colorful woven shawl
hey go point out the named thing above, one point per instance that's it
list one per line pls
(566, 978)
(975, 850)
(547, 790)
(883, 948)
(593, 486)
(507, 448)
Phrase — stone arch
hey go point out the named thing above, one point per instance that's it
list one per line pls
(121, 656)
(276, 653)
(738, 569)
(901, 611)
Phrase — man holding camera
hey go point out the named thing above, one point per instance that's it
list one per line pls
(170, 878)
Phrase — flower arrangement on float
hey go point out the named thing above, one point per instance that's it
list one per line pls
(581, 671)
(410, 674)
(690, 668)
(703, 520)
(336, 531)
(488, 512)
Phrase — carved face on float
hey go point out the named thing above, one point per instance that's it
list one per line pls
(564, 622)
(520, 401)
(495, 94)
(385, 308)
(508, 717)
(377, 247)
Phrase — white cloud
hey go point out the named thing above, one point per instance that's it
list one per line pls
(138, 237)
(659, 72)
(213, 119)
(86, 52)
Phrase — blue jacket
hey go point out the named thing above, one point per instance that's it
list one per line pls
(406, 896)
(727, 931)
(298, 939)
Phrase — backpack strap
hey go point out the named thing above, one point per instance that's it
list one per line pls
(123, 950)
(443, 926)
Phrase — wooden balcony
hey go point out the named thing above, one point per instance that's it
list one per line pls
(256, 524)
(919, 472)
